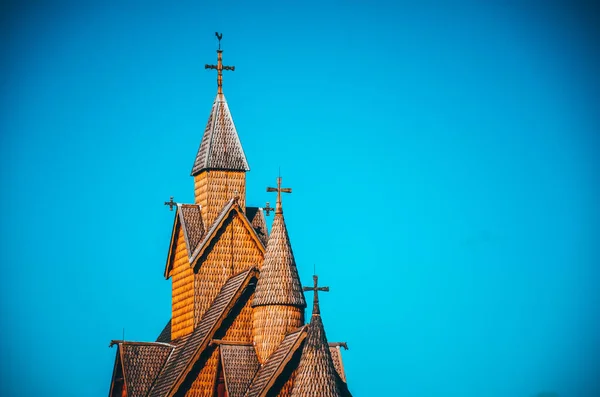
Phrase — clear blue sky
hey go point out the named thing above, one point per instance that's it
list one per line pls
(444, 161)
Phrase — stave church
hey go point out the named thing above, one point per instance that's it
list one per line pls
(238, 325)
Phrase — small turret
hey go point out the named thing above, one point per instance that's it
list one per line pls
(278, 304)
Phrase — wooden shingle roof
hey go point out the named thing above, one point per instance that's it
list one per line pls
(270, 370)
(220, 147)
(279, 283)
(257, 219)
(142, 362)
(232, 206)
(240, 364)
(316, 374)
(187, 352)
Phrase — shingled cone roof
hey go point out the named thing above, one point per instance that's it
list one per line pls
(316, 374)
(220, 148)
(279, 283)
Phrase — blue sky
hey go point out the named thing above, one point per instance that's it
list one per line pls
(443, 159)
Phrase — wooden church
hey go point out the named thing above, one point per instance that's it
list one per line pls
(237, 324)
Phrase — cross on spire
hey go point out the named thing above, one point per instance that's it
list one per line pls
(316, 290)
(268, 209)
(219, 66)
(279, 190)
(171, 203)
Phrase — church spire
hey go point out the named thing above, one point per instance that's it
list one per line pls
(220, 165)
(278, 298)
(316, 374)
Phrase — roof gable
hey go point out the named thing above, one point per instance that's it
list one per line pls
(232, 207)
(189, 218)
(220, 147)
(187, 352)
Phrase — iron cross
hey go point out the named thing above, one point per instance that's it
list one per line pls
(219, 66)
(268, 209)
(279, 190)
(171, 203)
(316, 290)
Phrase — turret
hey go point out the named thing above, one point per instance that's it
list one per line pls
(278, 304)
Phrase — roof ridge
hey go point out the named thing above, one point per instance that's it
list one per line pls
(175, 371)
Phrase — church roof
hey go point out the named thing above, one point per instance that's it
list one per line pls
(187, 352)
(220, 147)
(142, 362)
(257, 218)
(240, 364)
(165, 334)
(197, 237)
(316, 374)
(279, 283)
(271, 369)
(231, 206)
(193, 227)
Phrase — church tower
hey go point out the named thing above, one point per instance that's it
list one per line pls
(278, 305)
(237, 314)
(220, 167)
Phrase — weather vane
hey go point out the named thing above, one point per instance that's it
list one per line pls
(219, 36)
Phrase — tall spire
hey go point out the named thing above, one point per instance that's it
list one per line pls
(220, 148)
(316, 374)
(279, 283)
(278, 303)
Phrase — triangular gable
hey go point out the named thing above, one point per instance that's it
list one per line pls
(275, 364)
(240, 364)
(137, 366)
(232, 206)
(189, 218)
(185, 355)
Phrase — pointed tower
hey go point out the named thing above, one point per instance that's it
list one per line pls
(316, 374)
(278, 304)
(220, 167)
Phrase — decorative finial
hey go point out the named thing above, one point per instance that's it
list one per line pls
(316, 289)
(219, 66)
(171, 203)
(268, 209)
(279, 190)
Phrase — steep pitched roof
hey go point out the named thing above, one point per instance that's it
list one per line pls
(271, 369)
(240, 364)
(165, 334)
(142, 362)
(336, 356)
(220, 147)
(257, 220)
(316, 374)
(189, 218)
(188, 351)
(279, 283)
(231, 206)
